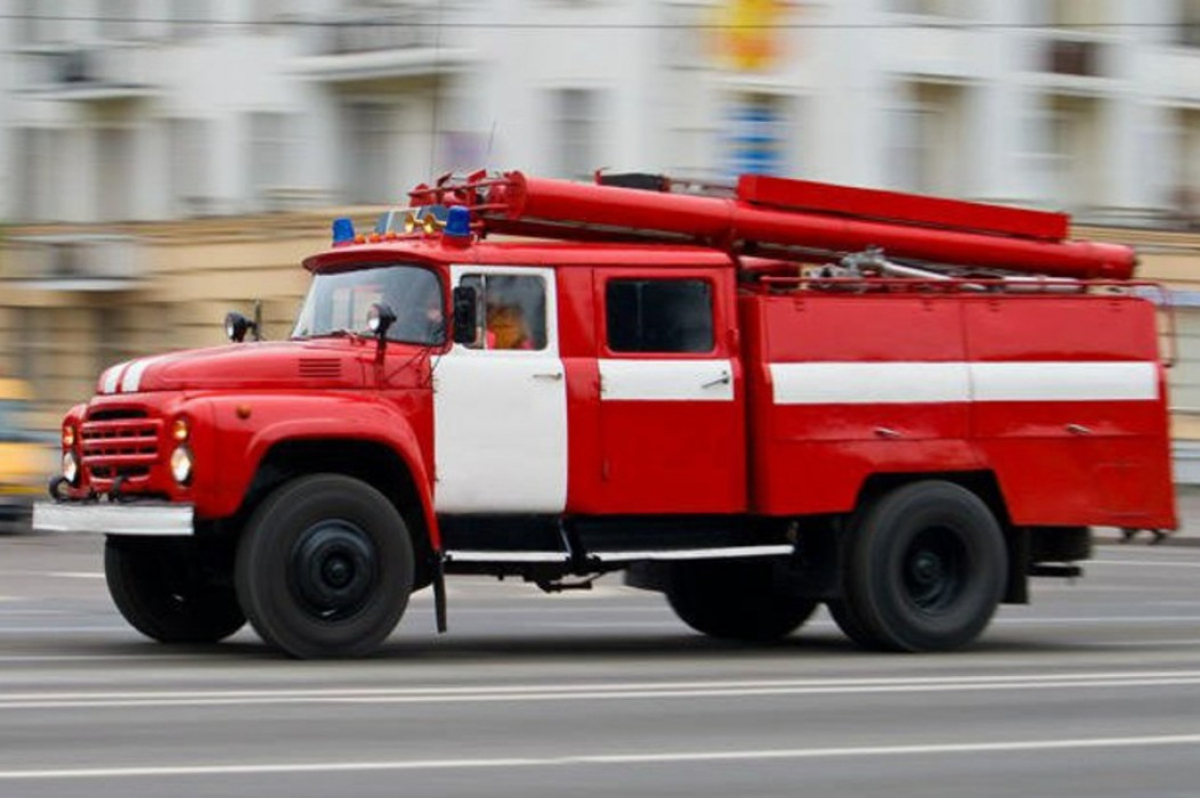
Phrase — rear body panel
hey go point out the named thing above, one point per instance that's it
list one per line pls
(1061, 397)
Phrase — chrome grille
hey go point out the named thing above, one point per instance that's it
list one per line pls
(120, 442)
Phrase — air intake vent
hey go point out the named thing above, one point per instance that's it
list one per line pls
(320, 367)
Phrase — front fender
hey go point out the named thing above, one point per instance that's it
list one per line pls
(247, 427)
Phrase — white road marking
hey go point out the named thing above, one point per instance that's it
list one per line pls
(594, 691)
(1143, 563)
(665, 757)
(1188, 643)
(54, 574)
(31, 658)
(1098, 619)
(59, 630)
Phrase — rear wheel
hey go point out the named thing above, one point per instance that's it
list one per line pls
(926, 570)
(163, 589)
(325, 567)
(851, 625)
(735, 600)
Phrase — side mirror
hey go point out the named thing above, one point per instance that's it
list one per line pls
(380, 319)
(466, 315)
(237, 325)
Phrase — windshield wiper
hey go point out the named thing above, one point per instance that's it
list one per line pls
(348, 333)
(342, 333)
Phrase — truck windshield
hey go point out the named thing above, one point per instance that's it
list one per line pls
(338, 302)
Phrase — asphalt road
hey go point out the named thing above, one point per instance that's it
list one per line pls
(1093, 690)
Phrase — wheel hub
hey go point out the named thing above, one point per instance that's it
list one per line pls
(333, 569)
(935, 569)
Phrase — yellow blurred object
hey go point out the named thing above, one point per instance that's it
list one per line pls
(25, 463)
(745, 34)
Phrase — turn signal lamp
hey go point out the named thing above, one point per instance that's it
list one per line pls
(180, 430)
(458, 223)
(68, 437)
(343, 231)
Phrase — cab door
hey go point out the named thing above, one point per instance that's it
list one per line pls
(500, 404)
(671, 393)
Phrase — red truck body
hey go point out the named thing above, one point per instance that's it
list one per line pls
(703, 396)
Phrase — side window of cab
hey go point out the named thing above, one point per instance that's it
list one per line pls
(510, 311)
(659, 315)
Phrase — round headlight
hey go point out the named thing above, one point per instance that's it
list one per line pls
(70, 468)
(181, 465)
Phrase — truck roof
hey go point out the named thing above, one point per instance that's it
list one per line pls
(527, 252)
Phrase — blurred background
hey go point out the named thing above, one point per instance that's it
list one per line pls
(165, 161)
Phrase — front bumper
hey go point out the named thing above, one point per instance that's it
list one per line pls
(114, 518)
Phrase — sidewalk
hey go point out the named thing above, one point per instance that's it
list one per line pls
(1187, 504)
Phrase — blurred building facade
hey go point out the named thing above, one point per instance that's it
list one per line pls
(165, 160)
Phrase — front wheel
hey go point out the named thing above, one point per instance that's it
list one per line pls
(325, 567)
(164, 590)
(735, 600)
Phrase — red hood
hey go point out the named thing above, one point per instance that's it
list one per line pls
(326, 363)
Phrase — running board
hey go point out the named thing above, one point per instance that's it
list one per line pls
(561, 557)
(719, 553)
(507, 556)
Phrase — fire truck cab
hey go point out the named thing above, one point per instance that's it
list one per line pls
(787, 395)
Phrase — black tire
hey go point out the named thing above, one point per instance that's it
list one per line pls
(850, 624)
(927, 568)
(325, 567)
(161, 589)
(735, 600)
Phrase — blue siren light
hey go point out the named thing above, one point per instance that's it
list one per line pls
(458, 222)
(343, 231)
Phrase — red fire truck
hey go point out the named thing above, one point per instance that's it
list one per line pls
(754, 400)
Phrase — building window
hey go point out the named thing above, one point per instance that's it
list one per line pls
(1077, 14)
(119, 19)
(927, 141)
(685, 35)
(940, 8)
(38, 166)
(188, 167)
(114, 165)
(263, 13)
(40, 23)
(270, 148)
(1189, 23)
(189, 18)
(1184, 188)
(659, 316)
(108, 337)
(370, 129)
(35, 349)
(575, 125)
(1068, 152)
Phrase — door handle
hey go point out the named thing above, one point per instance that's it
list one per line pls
(549, 375)
(724, 379)
(887, 432)
(1079, 429)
